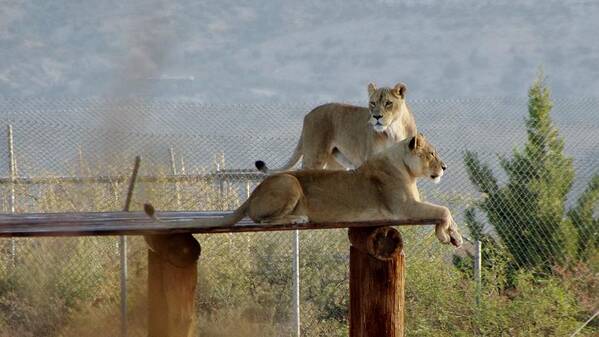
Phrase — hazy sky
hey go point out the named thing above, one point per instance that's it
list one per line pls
(298, 51)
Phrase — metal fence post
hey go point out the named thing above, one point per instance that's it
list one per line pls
(219, 182)
(80, 158)
(296, 285)
(477, 269)
(11, 201)
(174, 173)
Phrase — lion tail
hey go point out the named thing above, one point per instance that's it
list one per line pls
(227, 220)
(295, 158)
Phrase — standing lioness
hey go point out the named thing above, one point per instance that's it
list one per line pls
(383, 188)
(336, 136)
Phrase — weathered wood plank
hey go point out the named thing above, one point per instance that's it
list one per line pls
(137, 223)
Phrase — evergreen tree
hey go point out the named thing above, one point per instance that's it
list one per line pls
(528, 212)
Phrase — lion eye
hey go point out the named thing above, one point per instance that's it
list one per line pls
(388, 103)
(372, 104)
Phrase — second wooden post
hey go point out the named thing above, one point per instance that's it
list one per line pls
(172, 277)
(376, 285)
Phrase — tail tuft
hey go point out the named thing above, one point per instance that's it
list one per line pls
(150, 211)
(261, 166)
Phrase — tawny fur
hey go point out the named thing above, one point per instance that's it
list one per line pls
(383, 188)
(338, 136)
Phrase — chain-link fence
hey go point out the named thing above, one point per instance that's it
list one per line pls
(76, 155)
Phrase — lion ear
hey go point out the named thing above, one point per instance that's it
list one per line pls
(413, 143)
(399, 90)
(371, 89)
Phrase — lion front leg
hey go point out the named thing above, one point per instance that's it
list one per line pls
(446, 231)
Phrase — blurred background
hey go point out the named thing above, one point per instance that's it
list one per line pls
(289, 51)
(507, 92)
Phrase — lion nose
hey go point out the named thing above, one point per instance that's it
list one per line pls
(378, 116)
(443, 167)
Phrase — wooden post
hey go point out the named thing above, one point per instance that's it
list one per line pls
(172, 277)
(376, 283)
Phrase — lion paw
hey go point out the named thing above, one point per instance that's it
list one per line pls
(447, 232)
(442, 234)
(455, 238)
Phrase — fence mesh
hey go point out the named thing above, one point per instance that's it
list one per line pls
(200, 157)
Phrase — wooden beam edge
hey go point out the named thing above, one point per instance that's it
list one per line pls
(120, 223)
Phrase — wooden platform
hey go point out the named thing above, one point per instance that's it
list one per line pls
(137, 223)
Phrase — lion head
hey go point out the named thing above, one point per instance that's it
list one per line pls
(386, 105)
(423, 160)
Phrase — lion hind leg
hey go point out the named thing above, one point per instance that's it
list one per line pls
(315, 163)
(333, 164)
(317, 158)
(340, 161)
(276, 198)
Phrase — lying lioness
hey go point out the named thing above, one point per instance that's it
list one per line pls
(383, 188)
